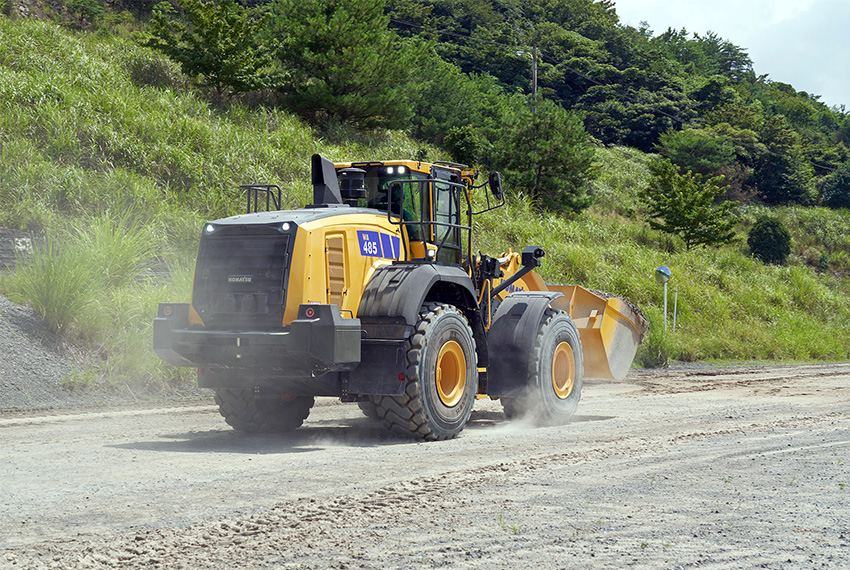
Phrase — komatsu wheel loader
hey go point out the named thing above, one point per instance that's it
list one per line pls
(372, 294)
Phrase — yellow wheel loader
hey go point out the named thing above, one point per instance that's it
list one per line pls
(372, 294)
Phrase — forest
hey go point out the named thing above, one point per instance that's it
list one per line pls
(523, 86)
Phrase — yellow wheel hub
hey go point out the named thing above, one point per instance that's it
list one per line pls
(451, 373)
(563, 370)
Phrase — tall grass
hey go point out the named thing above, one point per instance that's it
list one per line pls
(89, 123)
(94, 284)
(57, 282)
(119, 252)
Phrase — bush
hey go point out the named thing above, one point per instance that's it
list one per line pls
(769, 240)
(464, 144)
(86, 12)
(153, 70)
(835, 191)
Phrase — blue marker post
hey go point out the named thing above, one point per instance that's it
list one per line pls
(662, 275)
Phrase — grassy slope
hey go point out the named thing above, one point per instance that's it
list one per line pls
(101, 139)
(731, 307)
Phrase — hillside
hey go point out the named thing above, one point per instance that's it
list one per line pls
(109, 151)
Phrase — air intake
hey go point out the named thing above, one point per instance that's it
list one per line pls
(325, 186)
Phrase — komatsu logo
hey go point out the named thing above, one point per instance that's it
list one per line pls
(239, 279)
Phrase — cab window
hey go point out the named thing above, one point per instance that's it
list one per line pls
(406, 198)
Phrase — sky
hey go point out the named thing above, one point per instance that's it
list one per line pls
(805, 43)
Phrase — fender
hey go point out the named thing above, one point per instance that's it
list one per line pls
(396, 293)
(511, 341)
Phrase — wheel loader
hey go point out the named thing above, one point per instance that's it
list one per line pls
(373, 294)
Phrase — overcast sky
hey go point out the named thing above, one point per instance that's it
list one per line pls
(802, 42)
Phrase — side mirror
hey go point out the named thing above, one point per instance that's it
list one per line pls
(495, 182)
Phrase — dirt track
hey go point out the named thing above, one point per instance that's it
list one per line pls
(692, 468)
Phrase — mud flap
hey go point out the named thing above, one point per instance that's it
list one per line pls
(511, 341)
(382, 370)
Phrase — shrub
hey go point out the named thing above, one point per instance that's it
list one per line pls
(86, 12)
(150, 70)
(464, 144)
(835, 191)
(769, 240)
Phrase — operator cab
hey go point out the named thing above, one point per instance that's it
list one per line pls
(426, 199)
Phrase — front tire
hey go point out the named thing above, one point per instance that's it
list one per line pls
(442, 377)
(556, 368)
(244, 412)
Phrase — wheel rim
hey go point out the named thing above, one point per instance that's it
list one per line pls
(563, 370)
(451, 373)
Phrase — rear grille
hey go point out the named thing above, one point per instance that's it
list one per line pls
(240, 280)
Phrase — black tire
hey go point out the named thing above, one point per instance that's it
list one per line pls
(555, 373)
(242, 411)
(369, 409)
(442, 377)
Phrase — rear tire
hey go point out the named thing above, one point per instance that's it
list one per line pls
(246, 413)
(442, 377)
(369, 409)
(555, 373)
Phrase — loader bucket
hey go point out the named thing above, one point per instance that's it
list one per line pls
(610, 328)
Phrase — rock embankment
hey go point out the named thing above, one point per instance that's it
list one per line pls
(34, 367)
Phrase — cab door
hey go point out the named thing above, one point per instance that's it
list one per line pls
(446, 216)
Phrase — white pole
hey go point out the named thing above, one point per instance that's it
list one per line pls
(675, 307)
(665, 305)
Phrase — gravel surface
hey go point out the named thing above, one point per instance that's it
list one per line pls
(717, 469)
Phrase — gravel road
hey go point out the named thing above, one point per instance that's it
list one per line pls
(715, 468)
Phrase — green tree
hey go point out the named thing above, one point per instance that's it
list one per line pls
(217, 40)
(700, 151)
(345, 62)
(548, 155)
(637, 119)
(87, 12)
(442, 97)
(782, 175)
(465, 144)
(769, 240)
(835, 191)
(684, 205)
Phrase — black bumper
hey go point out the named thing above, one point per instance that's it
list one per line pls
(317, 342)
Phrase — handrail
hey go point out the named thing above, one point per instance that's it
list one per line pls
(254, 190)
